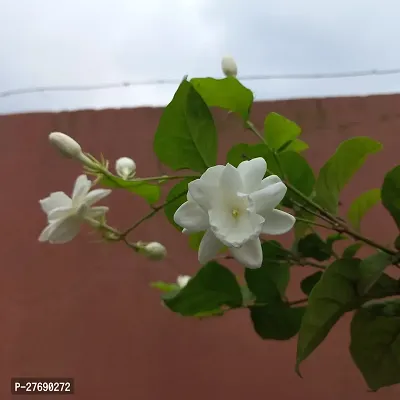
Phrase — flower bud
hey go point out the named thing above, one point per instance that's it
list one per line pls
(183, 280)
(229, 67)
(154, 251)
(66, 145)
(125, 167)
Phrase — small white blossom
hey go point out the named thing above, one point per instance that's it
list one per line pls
(234, 206)
(65, 215)
(125, 167)
(229, 67)
(155, 251)
(65, 144)
(183, 280)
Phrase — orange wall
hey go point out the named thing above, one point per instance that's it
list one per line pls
(85, 310)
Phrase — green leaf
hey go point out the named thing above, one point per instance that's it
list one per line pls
(242, 152)
(227, 93)
(186, 137)
(397, 243)
(269, 282)
(176, 197)
(375, 343)
(331, 297)
(307, 284)
(278, 130)
(273, 251)
(276, 321)
(371, 268)
(261, 284)
(296, 145)
(385, 286)
(298, 173)
(338, 170)
(314, 247)
(391, 194)
(212, 287)
(351, 251)
(361, 205)
(151, 193)
(195, 240)
(300, 227)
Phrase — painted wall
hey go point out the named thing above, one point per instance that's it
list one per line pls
(85, 310)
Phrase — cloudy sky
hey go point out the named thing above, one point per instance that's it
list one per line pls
(84, 42)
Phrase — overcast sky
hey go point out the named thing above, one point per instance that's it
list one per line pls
(75, 42)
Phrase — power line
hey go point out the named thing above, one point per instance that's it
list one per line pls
(103, 86)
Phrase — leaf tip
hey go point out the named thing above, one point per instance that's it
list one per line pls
(297, 369)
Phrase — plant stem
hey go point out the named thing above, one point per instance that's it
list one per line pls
(337, 224)
(151, 214)
(305, 263)
(251, 126)
(296, 302)
(307, 221)
(164, 178)
(303, 207)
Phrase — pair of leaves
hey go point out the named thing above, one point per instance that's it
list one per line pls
(281, 134)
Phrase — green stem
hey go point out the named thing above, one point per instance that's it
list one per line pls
(151, 214)
(307, 221)
(303, 207)
(164, 178)
(296, 302)
(338, 225)
(307, 263)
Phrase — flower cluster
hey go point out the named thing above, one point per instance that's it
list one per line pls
(65, 215)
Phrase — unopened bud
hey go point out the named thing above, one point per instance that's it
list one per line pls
(229, 67)
(125, 167)
(183, 280)
(154, 251)
(65, 144)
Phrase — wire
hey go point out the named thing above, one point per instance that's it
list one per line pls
(81, 88)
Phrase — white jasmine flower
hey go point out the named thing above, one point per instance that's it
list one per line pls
(183, 280)
(229, 67)
(234, 206)
(125, 167)
(155, 251)
(65, 215)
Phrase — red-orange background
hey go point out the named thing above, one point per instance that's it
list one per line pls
(85, 309)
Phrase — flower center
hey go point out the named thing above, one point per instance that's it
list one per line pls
(235, 213)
